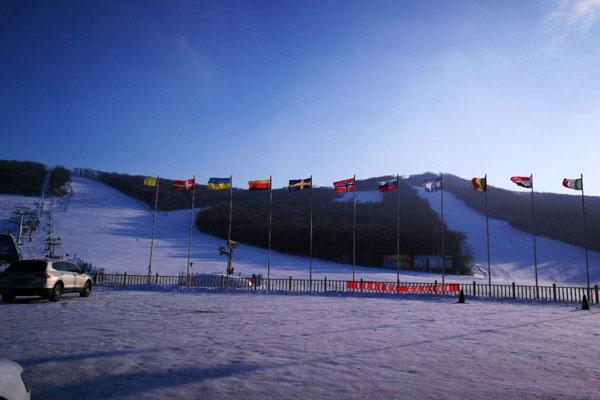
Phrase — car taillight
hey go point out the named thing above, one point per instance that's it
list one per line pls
(48, 276)
(45, 275)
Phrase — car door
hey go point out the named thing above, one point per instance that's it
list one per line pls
(79, 278)
(67, 275)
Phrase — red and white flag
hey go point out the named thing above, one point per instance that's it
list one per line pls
(187, 184)
(346, 185)
(523, 181)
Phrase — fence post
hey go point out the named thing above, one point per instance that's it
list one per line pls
(554, 291)
(221, 283)
(514, 290)
(361, 284)
(125, 279)
(156, 282)
(435, 287)
(474, 288)
(596, 290)
(290, 284)
(96, 278)
(325, 286)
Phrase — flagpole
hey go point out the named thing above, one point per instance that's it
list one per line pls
(230, 208)
(354, 229)
(537, 288)
(153, 225)
(270, 218)
(487, 230)
(585, 247)
(310, 247)
(191, 221)
(443, 249)
(397, 229)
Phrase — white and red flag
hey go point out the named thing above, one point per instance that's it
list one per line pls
(346, 185)
(523, 181)
(187, 184)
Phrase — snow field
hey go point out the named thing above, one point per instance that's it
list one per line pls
(124, 344)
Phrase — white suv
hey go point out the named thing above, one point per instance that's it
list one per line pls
(46, 278)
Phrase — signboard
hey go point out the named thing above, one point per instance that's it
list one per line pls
(384, 287)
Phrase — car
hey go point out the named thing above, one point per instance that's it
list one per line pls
(47, 278)
(12, 384)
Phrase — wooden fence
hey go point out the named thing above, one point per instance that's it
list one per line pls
(480, 290)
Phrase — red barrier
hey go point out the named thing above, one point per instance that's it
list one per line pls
(403, 288)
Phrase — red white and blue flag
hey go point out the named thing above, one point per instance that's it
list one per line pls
(387, 186)
(346, 185)
(523, 181)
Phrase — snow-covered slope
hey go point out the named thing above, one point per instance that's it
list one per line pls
(511, 250)
(101, 225)
(361, 197)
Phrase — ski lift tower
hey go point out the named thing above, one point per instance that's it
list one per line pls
(20, 213)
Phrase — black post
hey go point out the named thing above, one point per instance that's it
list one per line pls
(487, 231)
(585, 245)
(537, 288)
(397, 229)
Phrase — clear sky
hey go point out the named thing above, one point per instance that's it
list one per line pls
(293, 88)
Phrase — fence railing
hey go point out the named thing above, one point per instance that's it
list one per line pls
(482, 290)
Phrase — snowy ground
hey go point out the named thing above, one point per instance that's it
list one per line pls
(111, 230)
(512, 250)
(126, 344)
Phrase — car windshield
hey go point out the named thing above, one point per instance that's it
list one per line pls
(29, 266)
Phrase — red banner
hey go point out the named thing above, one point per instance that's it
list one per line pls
(384, 287)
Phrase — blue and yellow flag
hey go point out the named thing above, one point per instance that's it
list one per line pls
(219, 183)
(299, 184)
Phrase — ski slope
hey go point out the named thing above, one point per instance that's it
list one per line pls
(511, 250)
(101, 225)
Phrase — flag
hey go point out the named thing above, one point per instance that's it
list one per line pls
(346, 185)
(575, 184)
(187, 184)
(387, 186)
(523, 181)
(479, 184)
(432, 185)
(150, 181)
(262, 184)
(219, 183)
(299, 184)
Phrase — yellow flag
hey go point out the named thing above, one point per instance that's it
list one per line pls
(150, 181)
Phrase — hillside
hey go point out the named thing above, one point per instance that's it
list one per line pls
(558, 216)
(376, 221)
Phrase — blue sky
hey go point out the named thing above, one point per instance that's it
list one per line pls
(294, 88)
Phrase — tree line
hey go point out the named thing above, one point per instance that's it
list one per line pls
(332, 222)
(557, 216)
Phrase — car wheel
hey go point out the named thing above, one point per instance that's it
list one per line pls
(87, 289)
(8, 297)
(57, 292)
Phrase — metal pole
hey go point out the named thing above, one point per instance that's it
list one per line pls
(585, 247)
(354, 229)
(191, 221)
(487, 230)
(20, 229)
(537, 288)
(230, 207)
(443, 244)
(398, 229)
(153, 225)
(270, 218)
(310, 246)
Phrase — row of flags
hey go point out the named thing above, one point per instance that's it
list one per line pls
(349, 185)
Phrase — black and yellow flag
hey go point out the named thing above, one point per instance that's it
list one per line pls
(150, 181)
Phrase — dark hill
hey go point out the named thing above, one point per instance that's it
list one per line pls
(558, 216)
